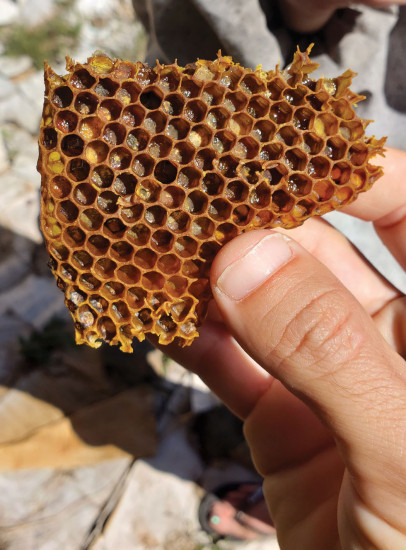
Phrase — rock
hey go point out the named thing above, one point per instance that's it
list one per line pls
(35, 12)
(11, 67)
(21, 111)
(6, 87)
(50, 510)
(8, 12)
(4, 160)
(15, 256)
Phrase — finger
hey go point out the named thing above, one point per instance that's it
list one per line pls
(385, 204)
(299, 323)
(336, 252)
(224, 366)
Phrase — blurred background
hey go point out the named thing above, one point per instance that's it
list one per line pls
(98, 449)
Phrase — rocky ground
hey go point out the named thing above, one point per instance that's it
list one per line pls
(98, 450)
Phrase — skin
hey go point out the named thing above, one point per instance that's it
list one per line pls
(311, 358)
(312, 15)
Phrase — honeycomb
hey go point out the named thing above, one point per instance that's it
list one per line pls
(148, 171)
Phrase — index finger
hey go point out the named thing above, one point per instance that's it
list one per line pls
(385, 204)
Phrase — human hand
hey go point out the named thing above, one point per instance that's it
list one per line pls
(308, 16)
(319, 379)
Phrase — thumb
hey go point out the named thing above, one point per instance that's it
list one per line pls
(294, 317)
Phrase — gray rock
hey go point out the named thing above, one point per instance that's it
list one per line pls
(4, 160)
(11, 67)
(21, 111)
(6, 87)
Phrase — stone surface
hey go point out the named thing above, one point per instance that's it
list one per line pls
(11, 67)
(8, 12)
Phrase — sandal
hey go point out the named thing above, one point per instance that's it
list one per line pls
(245, 496)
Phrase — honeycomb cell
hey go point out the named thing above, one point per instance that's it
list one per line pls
(97, 245)
(110, 109)
(272, 151)
(323, 190)
(121, 251)
(303, 118)
(62, 97)
(78, 169)
(246, 148)
(213, 94)
(148, 171)
(219, 210)
(358, 154)
(185, 246)
(178, 221)
(128, 93)
(155, 122)
(172, 197)
(90, 127)
(280, 112)
(151, 98)
(137, 140)
(217, 118)
(165, 171)
(102, 176)
(296, 159)
(168, 264)
(251, 84)
(82, 260)
(351, 130)
(155, 216)
(313, 144)
(153, 280)
(96, 152)
(67, 211)
(223, 141)
(299, 185)
(202, 228)
(60, 187)
(340, 173)
(104, 269)
(196, 202)
(114, 133)
(131, 214)
(241, 124)
(189, 88)
(260, 196)
(336, 148)
(143, 165)
(325, 125)
(282, 201)
(182, 153)
(49, 138)
(162, 240)
(236, 191)
(114, 228)
(120, 158)
(200, 136)
(189, 177)
(169, 79)
(86, 103)
(160, 146)
(128, 274)
(177, 129)
(295, 96)
(204, 159)
(73, 237)
(250, 171)
(120, 311)
(258, 106)
(90, 219)
(66, 121)
(82, 79)
(275, 88)
(195, 110)
(173, 104)
(139, 234)
(135, 297)
(147, 190)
